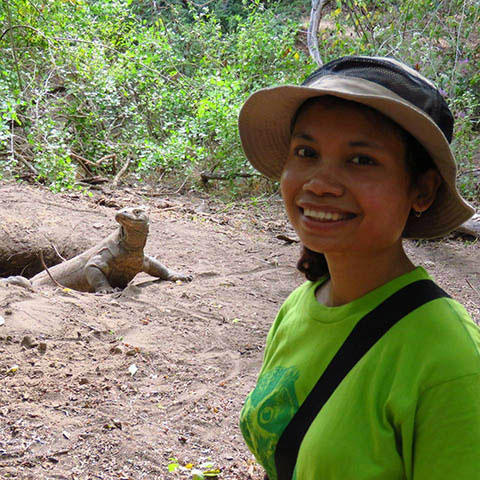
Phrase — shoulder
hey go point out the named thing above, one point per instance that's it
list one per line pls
(441, 339)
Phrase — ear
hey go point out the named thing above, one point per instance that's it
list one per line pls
(427, 186)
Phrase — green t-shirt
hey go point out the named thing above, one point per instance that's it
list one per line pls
(409, 409)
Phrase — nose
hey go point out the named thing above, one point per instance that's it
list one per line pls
(325, 180)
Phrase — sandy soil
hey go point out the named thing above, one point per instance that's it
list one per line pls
(71, 406)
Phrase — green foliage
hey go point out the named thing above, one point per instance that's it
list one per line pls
(438, 38)
(161, 83)
(163, 88)
(204, 471)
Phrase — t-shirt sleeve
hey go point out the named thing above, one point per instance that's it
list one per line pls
(447, 439)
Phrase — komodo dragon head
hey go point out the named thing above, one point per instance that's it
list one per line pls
(133, 220)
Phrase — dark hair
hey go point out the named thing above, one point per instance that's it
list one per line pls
(417, 161)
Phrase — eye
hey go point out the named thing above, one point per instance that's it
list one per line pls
(305, 152)
(363, 160)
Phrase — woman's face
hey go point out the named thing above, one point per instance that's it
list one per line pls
(345, 183)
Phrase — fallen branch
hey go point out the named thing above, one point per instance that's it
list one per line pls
(468, 172)
(110, 156)
(25, 162)
(48, 272)
(286, 238)
(58, 253)
(82, 162)
(471, 226)
(206, 176)
(98, 163)
(95, 180)
(179, 189)
(472, 287)
(121, 172)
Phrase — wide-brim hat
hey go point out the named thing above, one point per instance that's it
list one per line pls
(397, 91)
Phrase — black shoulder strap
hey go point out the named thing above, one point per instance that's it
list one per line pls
(363, 336)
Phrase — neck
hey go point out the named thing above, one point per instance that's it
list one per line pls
(353, 276)
(133, 238)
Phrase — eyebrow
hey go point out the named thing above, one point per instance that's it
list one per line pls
(361, 143)
(305, 136)
(354, 143)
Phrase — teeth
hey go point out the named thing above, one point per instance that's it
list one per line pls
(324, 215)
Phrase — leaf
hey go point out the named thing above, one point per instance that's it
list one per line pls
(197, 474)
(213, 473)
(13, 370)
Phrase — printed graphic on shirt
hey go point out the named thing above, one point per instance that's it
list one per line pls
(267, 411)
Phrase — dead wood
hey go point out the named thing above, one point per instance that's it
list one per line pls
(34, 227)
(471, 226)
(206, 176)
(312, 40)
(121, 172)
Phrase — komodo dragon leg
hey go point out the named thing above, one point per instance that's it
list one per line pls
(97, 279)
(156, 269)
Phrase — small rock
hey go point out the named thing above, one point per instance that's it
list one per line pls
(131, 353)
(116, 350)
(117, 423)
(28, 342)
(84, 381)
(8, 311)
(42, 347)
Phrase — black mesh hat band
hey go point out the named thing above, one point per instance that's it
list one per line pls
(404, 81)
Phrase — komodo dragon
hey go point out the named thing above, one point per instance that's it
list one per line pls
(110, 264)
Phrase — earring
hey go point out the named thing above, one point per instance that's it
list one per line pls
(417, 214)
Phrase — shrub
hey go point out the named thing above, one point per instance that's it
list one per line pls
(160, 83)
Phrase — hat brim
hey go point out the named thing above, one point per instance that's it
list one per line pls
(265, 122)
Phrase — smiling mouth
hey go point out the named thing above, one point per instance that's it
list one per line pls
(324, 216)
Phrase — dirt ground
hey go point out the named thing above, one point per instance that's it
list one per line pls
(121, 386)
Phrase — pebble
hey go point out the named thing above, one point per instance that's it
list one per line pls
(28, 342)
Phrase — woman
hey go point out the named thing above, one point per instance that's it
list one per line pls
(363, 157)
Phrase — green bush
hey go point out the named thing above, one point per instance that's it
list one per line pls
(161, 83)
